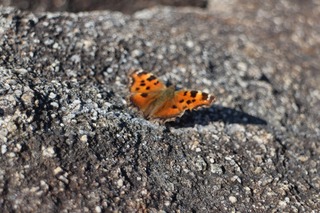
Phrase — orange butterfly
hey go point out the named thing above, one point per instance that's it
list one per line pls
(157, 101)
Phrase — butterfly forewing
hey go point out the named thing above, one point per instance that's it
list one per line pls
(144, 82)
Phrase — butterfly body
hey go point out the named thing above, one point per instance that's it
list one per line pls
(157, 101)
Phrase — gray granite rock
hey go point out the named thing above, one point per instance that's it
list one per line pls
(69, 141)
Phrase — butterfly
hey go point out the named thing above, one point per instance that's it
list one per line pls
(157, 101)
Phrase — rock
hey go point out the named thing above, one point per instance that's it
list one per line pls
(67, 134)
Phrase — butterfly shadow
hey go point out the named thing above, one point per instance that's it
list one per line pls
(213, 114)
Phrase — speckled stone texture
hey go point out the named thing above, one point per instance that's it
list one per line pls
(125, 6)
(70, 143)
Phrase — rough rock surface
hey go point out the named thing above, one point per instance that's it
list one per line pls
(125, 6)
(69, 141)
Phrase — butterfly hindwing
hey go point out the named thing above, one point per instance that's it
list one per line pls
(169, 110)
(183, 100)
(191, 99)
(143, 100)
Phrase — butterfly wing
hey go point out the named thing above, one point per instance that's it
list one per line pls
(169, 110)
(145, 82)
(190, 99)
(143, 100)
(184, 100)
(156, 100)
(145, 88)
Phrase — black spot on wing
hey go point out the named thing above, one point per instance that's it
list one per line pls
(194, 93)
(144, 95)
(185, 93)
(147, 88)
(156, 83)
(204, 96)
(142, 84)
(181, 101)
(138, 88)
(188, 102)
(174, 107)
(151, 78)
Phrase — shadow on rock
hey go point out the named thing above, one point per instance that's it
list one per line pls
(216, 113)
